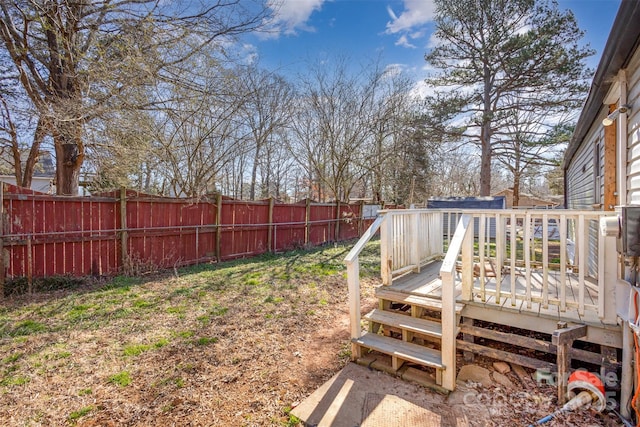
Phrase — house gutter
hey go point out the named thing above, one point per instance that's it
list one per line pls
(622, 42)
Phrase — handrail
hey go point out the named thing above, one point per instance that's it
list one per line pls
(449, 262)
(462, 241)
(353, 282)
(551, 212)
(355, 251)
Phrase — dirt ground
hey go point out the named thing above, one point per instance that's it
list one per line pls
(234, 344)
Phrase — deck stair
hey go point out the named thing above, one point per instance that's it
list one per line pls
(407, 328)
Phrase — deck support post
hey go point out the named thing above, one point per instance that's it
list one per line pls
(353, 280)
(462, 239)
(386, 240)
(468, 355)
(563, 338)
(415, 244)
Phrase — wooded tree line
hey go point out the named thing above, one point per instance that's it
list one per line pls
(146, 94)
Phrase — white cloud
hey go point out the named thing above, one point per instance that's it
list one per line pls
(392, 70)
(391, 13)
(434, 41)
(404, 42)
(292, 15)
(415, 14)
(250, 53)
(421, 90)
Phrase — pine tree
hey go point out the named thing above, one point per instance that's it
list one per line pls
(495, 56)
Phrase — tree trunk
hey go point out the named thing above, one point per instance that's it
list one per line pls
(516, 190)
(254, 173)
(34, 154)
(485, 161)
(485, 136)
(69, 156)
(516, 180)
(13, 135)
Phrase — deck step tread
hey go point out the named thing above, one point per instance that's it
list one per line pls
(411, 299)
(404, 322)
(401, 349)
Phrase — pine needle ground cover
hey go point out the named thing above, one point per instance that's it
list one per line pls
(235, 343)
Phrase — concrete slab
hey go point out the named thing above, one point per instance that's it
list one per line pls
(359, 397)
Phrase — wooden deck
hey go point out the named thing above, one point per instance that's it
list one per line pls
(427, 283)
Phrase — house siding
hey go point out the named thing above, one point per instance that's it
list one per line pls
(582, 191)
(633, 129)
(581, 177)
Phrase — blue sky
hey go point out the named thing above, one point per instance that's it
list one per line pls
(397, 31)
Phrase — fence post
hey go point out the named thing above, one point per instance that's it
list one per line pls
(270, 234)
(337, 227)
(29, 266)
(361, 219)
(124, 252)
(307, 216)
(2, 263)
(218, 225)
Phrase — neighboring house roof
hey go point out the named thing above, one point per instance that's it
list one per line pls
(41, 184)
(44, 167)
(621, 44)
(526, 200)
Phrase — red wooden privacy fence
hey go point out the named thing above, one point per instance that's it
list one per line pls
(44, 235)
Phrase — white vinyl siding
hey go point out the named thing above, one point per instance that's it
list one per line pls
(581, 174)
(585, 186)
(633, 128)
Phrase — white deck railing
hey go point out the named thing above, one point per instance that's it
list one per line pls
(553, 258)
(547, 257)
(409, 238)
(550, 257)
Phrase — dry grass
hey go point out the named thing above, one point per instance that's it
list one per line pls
(237, 343)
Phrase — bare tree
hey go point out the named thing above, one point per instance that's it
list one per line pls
(122, 152)
(390, 108)
(530, 141)
(197, 131)
(75, 59)
(333, 126)
(266, 111)
(450, 175)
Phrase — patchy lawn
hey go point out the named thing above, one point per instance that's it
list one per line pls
(236, 343)
(232, 344)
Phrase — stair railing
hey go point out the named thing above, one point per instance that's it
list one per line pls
(462, 241)
(353, 281)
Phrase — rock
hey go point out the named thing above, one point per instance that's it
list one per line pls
(462, 397)
(523, 375)
(501, 367)
(503, 380)
(476, 374)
